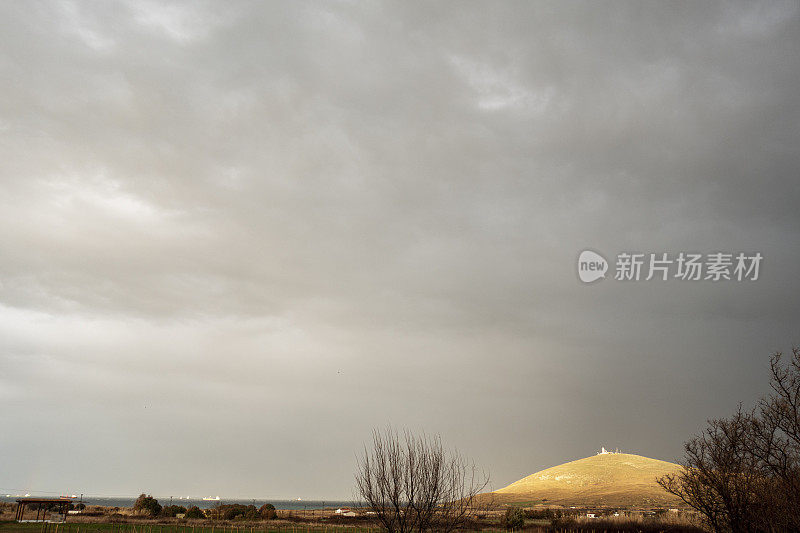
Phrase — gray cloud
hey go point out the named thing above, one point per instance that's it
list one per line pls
(235, 237)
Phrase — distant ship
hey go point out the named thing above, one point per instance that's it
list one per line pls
(210, 499)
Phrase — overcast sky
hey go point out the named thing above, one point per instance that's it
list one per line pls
(235, 236)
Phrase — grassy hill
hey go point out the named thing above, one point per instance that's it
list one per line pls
(619, 480)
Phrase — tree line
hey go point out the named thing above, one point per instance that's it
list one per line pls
(147, 505)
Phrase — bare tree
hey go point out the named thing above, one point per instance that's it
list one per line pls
(743, 473)
(718, 477)
(413, 484)
(776, 442)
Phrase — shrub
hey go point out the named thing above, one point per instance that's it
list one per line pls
(195, 512)
(172, 511)
(237, 511)
(542, 514)
(413, 480)
(146, 504)
(267, 511)
(514, 518)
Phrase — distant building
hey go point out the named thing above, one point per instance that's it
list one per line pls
(603, 451)
(53, 510)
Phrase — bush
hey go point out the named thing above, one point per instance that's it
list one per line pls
(195, 512)
(146, 504)
(267, 511)
(514, 518)
(172, 511)
(237, 511)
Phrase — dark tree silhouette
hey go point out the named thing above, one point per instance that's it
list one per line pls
(743, 473)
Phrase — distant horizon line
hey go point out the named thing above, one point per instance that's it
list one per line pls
(33, 494)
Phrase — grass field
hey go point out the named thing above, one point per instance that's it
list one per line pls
(13, 527)
(665, 524)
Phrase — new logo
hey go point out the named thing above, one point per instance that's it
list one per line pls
(591, 266)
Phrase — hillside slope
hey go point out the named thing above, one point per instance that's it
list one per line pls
(619, 479)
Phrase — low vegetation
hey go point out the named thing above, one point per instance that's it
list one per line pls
(147, 505)
(628, 524)
(268, 512)
(194, 512)
(235, 511)
(171, 511)
(122, 520)
(514, 518)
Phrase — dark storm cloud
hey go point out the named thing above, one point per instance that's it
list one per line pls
(235, 237)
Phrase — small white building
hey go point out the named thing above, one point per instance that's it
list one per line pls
(603, 451)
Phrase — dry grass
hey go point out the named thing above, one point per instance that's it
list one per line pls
(611, 480)
(670, 522)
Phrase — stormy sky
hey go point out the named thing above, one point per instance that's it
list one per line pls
(237, 236)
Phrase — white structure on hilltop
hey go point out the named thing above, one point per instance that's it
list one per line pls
(603, 451)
